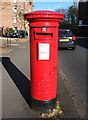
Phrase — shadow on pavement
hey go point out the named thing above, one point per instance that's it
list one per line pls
(20, 80)
(83, 42)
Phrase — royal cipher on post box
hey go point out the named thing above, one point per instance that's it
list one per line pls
(43, 56)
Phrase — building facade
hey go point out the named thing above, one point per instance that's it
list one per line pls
(9, 11)
(83, 14)
(83, 17)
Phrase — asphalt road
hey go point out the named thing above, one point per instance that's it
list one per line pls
(73, 65)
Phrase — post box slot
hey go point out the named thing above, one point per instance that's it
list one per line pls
(43, 36)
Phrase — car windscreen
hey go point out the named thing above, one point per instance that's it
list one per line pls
(65, 33)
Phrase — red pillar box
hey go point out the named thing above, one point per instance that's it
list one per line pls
(43, 57)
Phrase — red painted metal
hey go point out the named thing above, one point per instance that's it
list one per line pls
(44, 30)
(43, 14)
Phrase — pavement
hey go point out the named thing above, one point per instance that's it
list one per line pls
(16, 84)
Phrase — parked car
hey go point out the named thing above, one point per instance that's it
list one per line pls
(66, 39)
(15, 34)
(23, 34)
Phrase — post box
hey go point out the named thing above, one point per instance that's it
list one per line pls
(43, 57)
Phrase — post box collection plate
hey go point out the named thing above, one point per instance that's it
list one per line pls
(43, 51)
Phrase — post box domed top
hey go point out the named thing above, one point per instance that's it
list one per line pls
(44, 14)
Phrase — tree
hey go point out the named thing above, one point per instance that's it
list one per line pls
(63, 11)
(72, 14)
(70, 20)
(20, 17)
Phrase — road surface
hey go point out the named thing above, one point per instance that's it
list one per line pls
(73, 65)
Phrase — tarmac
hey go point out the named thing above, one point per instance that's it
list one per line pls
(16, 96)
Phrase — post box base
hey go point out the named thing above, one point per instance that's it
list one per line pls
(43, 106)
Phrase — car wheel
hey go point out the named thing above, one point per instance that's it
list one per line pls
(73, 48)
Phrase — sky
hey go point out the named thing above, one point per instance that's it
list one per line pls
(51, 5)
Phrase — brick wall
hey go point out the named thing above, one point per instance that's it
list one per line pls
(7, 14)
